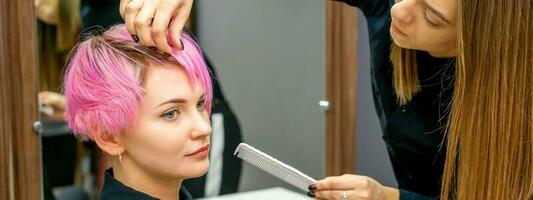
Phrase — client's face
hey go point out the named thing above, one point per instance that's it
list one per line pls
(171, 137)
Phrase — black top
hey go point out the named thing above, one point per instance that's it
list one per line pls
(413, 132)
(115, 190)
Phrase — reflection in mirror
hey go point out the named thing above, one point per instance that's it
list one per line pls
(66, 161)
(275, 115)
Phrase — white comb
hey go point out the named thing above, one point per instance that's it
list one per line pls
(273, 166)
(47, 110)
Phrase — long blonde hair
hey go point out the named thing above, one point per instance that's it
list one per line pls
(490, 132)
(490, 135)
(406, 82)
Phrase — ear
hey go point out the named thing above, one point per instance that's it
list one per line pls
(109, 143)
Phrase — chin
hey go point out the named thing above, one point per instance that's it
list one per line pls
(197, 169)
(406, 45)
(401, 43)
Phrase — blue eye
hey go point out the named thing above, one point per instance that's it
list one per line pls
(200, 105)
(172, 114)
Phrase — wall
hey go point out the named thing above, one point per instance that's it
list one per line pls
(270, 57)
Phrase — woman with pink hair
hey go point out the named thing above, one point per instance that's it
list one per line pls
(146, 109)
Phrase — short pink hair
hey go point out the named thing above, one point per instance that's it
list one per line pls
(103, 84)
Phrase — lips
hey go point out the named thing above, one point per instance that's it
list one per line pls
(397, 30)
(200, 150)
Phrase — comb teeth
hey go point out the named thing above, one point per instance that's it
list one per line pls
(274, 166)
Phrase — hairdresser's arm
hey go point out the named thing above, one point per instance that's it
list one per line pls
(359, 188)
(408, 195)
(370, 8)
(152, 20)
(355, 186)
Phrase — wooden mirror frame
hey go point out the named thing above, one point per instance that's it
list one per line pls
(341, 88)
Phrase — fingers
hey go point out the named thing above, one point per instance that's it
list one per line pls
(143, 22)
(333, 194)
(350, 194)
(178, 22)
(344, 182)
(168, 17)
(46, 97)
(122, 7)
(355, 186)
(52, 105)
(52, 99)
(155, 22)
(132, 9)
(161, 23)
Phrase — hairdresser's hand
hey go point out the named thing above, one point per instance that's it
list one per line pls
(356, 188)
(152, 20)
(54, 100)
(47, 11)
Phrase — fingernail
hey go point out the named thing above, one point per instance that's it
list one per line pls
(135, 38)
(312, 187)
(311, 194)
(181, 43)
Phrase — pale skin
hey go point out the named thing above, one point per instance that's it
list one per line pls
(155, 21)
(426, 25)
(355, 186)
(47, 11)
(159, 151)
(56, 101)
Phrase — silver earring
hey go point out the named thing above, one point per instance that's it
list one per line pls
(120, 158)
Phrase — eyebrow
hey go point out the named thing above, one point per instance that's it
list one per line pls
(179, 101)
(436, 12)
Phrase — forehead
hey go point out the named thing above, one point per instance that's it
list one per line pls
(167, 81)
(446, 7)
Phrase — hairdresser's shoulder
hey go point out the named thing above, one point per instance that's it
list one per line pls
(371, 8)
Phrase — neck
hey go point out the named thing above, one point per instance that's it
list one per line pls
(145, 182)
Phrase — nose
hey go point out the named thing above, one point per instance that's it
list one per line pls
(201, 126)
(403, 11)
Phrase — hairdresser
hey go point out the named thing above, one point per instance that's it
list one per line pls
(413, 45)
(418, 38)
(481, 103)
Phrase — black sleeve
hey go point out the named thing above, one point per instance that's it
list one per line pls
(408, 195)
(371, 7)
(104, 13)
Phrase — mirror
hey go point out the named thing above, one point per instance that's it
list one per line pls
(271, 51)
(270, 59)
(68, 164)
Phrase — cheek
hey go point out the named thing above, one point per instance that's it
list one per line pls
(161, 148)
(427, 38)
(441, 38)
(158, 143)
